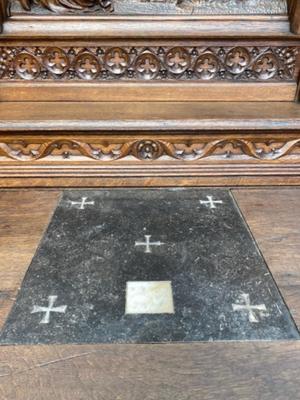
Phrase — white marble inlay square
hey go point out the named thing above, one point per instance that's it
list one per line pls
(149, 297)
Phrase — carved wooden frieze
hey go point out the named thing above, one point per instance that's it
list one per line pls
(153, 63)
(226, 150)
(61, 6)
(153, 7)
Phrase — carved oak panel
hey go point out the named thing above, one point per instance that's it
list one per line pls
(153, 63)
(100, 150)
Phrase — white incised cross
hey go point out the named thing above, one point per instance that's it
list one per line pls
(210, 202)
(249, 308)
(148, 244)
(82, 203)
(48, 310)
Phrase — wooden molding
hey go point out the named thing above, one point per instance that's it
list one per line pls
(192, 148)
(105, 100)
(147, 91)
(150, 159)
(149, 144)
(148, 27)
(154, 63)
(110, 117)
(127, 72)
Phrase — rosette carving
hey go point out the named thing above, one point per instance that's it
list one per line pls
(156, 63)
(27, 66)
(147, 66)
(56, 60)
(147, 150)
(177, 60)
(237, 60)
(116, 60)
(266, 66)
(207, 66)
(87, 66)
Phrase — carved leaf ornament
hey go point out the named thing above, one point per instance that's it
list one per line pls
(149, 150)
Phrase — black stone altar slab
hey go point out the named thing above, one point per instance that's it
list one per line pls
(192, 282)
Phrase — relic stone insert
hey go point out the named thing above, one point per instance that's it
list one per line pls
(147, 265)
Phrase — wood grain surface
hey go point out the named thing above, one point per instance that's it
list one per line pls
(273, 216)
(141, 27)
(112, 116)
(24, 216)
(205, 371)
(294, 10)
(146, 92)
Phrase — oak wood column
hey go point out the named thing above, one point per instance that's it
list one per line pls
(3, 12)
(294, 12)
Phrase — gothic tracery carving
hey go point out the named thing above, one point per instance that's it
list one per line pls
(155, 63)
